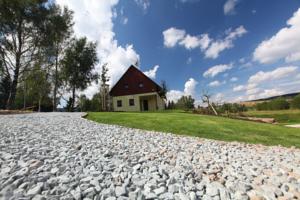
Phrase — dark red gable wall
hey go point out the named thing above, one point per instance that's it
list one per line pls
(132, 78)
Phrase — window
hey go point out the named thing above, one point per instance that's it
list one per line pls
(126, 86)
(119, 103)
(131, 102)
(141, 85)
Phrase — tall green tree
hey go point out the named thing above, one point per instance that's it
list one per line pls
(59, 29)
(21, 30)
(185, 103)
(78, 65)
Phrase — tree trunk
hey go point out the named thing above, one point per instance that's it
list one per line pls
(24, 96)
(73, 99)
(40, 101)
(55, 82)
(13, 89)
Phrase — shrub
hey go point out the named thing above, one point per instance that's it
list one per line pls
(276, 104)
(296, 102)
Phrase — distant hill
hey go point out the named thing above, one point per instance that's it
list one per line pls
(286, 96)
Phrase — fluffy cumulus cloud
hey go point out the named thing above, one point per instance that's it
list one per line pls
(217, 69)
(285, 44)
(211, 48)
(238, 88)
(278, 73)
(172, 36)
(152, 72)
(229, 7)
(94, 19)
(214, 84)
(190, 86)
(220, 45)
(189, 89)
(258, 87)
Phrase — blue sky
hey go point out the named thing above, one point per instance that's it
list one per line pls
(236, 49)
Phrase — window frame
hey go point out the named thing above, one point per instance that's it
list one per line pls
(119, 103)
(131, 102)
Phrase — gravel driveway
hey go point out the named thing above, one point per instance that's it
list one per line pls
(62, 156)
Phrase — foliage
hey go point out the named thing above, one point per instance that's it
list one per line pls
(59, 29)
(185, 103)
(164, 90)
(170, 105)
(204, 126)
(86, 104)
(34, 90)
(78, 65)
(228, 108)
(296, 102)
(276, 104)
(4, 90)
(22, 32)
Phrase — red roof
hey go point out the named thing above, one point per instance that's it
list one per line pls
(132, 82)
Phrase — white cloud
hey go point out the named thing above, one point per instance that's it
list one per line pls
(94, 19)
(229, 7)
(174, 95)
(172, 36)
(278, 73)
(234, 79)
(218, 46)
(239, 88)
(152, 72)
(189, 89)
(211, 48)
(190, 86)
(285, 44)
(144, 4)
(259, 86)
(217, 69)
(191, 42)
(214, 84)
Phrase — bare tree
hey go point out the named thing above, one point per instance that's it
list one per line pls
(206, 99)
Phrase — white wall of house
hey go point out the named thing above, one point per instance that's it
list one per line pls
(155, 102)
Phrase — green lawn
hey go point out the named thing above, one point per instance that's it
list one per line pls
(283, 117)
(218, 128)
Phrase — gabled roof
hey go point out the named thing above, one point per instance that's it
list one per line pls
(131, 81)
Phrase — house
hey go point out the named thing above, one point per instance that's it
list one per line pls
(136, 92)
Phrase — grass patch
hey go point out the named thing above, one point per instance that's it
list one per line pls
(283, 117)
(211, 127)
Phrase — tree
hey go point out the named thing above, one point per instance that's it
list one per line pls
(164, 90)
(21, 25)
(206, 99)
(84, 103)
(78, 65)
(5, 83)
(296, 102)
(96, 103)
(59, 29)
(104, 87)
(37, 85)
(185, 103)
